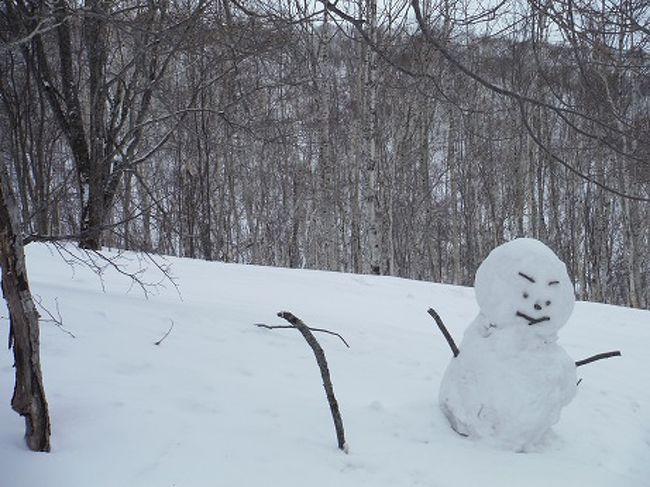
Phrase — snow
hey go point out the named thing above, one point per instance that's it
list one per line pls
(222, 402)
(511, 379)
(525, 276)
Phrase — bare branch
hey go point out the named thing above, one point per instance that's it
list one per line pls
(322, 330)
(324, 372)
(598, 356)
(79, 235)
(568, 166)
(57, 320)
(96, 261)
(276, 17)
(42, 27)
(445, 332)
(166, 334)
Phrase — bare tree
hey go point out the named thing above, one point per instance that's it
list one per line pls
(365, 140)
(100, 102)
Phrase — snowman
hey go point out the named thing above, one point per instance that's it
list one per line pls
(511, 379)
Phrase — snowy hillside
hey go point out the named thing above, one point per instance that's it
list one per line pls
(221, 402)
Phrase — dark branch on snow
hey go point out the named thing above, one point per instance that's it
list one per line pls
(166, 334)
(324, 372)
(57, 320)
(445, 332)
(598, 356)
(321, 330)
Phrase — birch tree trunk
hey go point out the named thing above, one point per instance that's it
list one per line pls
(327, 247)
(29, 394)
(370, 142)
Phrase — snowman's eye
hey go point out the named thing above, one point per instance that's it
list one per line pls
(527, 277)
(548, 303)
(525, 295)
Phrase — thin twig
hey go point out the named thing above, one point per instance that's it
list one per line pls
(165, 269)
(57, 321)
(166, 334)
(598, 356)
(324, 372)
(97, 262)
(322, 330)
(445, 331)
(134, 276)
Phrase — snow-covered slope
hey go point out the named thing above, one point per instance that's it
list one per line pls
(221, 402)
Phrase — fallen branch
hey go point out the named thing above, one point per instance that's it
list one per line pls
(445, 332)
(322, 330)
(598, 356)
(166, 334)
(324, 372)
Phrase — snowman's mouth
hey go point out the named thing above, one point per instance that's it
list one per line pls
(531, 320)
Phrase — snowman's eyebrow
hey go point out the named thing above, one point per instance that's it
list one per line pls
(527, 277)
(553, 283)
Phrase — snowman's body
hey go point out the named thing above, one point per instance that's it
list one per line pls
(511, 378)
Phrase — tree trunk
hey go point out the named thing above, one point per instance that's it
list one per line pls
(29, 394)
(91, 225)
(326, 230)
(371, 198)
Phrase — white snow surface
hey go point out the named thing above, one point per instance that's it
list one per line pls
(511, 379)
(221, 402)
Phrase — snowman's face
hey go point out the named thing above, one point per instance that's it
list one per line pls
(522, 283)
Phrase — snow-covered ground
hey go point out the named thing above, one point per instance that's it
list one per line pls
(221, 402)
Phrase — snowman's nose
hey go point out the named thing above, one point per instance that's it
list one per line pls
(538, 306)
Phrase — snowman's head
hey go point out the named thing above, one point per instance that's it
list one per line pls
(523, 283)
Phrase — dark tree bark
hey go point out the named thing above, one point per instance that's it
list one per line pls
(29, 394)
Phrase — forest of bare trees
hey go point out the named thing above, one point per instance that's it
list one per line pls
(398, 138)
